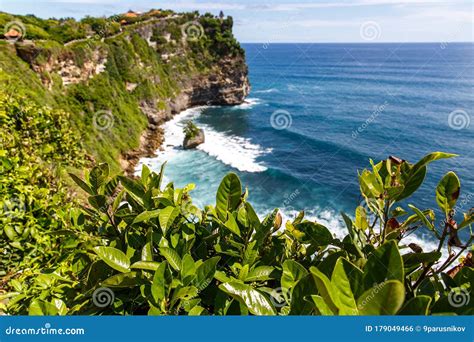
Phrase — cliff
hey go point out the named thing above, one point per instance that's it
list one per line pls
(120, 86)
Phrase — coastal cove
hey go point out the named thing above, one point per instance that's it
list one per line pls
(152, 165)
(341, 104)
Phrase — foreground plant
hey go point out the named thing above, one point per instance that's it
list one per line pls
(141, 248)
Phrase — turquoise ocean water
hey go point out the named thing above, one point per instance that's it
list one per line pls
(318, 112)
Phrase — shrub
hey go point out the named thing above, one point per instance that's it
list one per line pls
(144, 248)
(35, 144)
(190, 130)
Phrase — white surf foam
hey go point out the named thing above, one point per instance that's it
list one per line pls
(267, 91)
(237, 152)
(248, 103)
(334, 222)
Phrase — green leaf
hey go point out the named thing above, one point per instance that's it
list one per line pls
(369, 184)
(422, 217)
(205, 273)
(361, 218)
(98, 175)
(315, 233)
(447, 192)
(146, 265)
(232, 225)
(158, 287)
(167, 217)
(304, 288)
(147, 215)
(260, 273)
(417, 173)
(125, 280)
(341, 281)
(172, 257)
(321, 306)
(185, 293)
(416, 306)
(82, 184)
(188, 268)
(384, 263)
(326, 290)
(99, 202)
(40, 307)
(412, 259)
(113, 257)
(292, 273)
(197, 311)
(355, 275)
(133, 187)
(468, 220)
(382, 299)
(253, 299)
(228, 195)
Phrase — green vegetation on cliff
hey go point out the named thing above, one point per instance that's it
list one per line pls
(111, 80)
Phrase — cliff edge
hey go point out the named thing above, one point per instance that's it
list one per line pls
(123, 78)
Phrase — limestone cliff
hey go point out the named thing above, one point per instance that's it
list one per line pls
(142, 76)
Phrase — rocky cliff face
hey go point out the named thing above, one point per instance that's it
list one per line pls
(200, 74)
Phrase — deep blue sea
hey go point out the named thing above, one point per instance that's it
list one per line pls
(318, 112)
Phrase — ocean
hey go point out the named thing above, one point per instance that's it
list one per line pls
(315, 116)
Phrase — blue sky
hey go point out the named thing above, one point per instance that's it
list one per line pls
(297, 21)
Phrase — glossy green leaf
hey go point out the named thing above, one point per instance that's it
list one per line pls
(292, 273)
(383, 299)
(113, 257)
(384, 263)
(82, 184)
(228, 195)
(232, 225)
(147, 215)
(145, 265)
(125, 280)
(326, 290)
(167, 216)
(253, 299)
(412, 259)
(418, 306)
(205, 273)
(172, 257)
(341, 281)
(315, 233)
(447, 192)
(260, 273)
(158, 287)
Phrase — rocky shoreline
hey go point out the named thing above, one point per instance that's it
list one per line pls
(225, 85)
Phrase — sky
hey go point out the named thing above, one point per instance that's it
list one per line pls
(270, 21)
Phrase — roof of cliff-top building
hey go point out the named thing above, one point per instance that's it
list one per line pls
(131, 14)
(12, 34)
